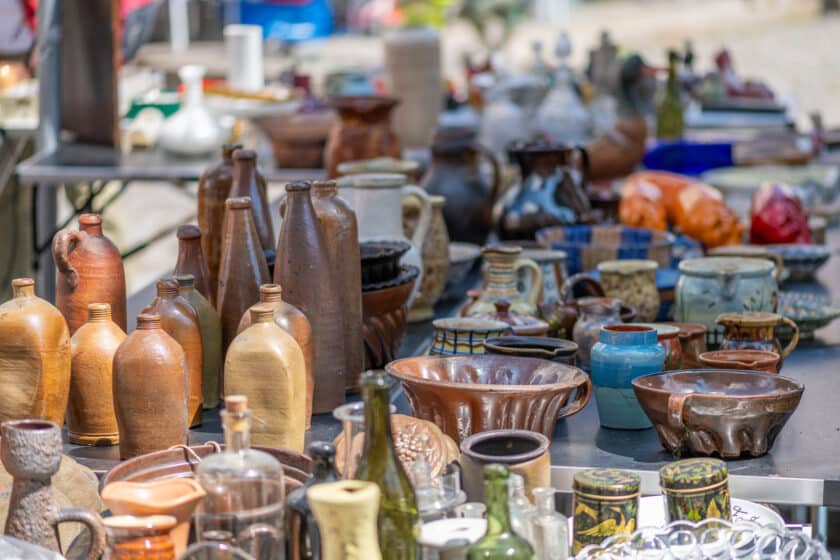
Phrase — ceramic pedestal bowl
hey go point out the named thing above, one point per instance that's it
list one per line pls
(464, 395)
(722, 412)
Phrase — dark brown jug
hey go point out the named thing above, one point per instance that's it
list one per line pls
(211, 340)
(191, 261)
(303, 269)
(90, 270)
(246, 183)
(363, 131)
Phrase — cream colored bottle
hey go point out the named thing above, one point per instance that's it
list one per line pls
(346, 513)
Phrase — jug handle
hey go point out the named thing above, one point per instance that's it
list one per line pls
(536, 279)
(780, 264)
(64, 242)
(425, 219)
(89, 520)
(496, 186)
(793, 341)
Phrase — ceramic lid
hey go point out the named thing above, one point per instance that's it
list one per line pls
(607, 482)
(692, 473)
(749, 319)
(720, 266)
(663, 330)
(627, 266)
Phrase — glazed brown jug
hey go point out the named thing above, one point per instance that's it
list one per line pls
(265, 364)
(341, 232)
(90, 414)
(151, 388)
(213, 189)
(245, 183)
(303, 269)
(363, 131)
(90, 270)
(34, 357)
(191, 261)
(293, 321)
(243, 269)
(180, 321)
(210, 328)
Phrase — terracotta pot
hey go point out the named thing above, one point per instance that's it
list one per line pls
(523, 452)
(384, 314)
(90, 414)
(246, 184)
(191, 261)
(457, 336)
(129, 537)
(90, 270)
(31, 453)
(434, 253)
(304, 270)
(693, 342)
(151, 389)
(753, 330)
(753, 360)
(210, 328)
(180, 321)
(243, 269)
(34, 357)
(346, 513)
(554, 349)
(362, 132)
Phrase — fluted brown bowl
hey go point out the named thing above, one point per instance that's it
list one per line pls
(465, 395)
(722, 412)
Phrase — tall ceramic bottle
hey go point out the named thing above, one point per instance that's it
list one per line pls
(499, 542)
(180, 321)
(191, 260)
(245, 183)
(265, 364)
(303, 268)
(341, 232)
(346, 512)
(34, 357)
(293, 321)
(210, 329)
(90, 270)
(151, 388)
(90, 414)
(213, 190)
(243, 269)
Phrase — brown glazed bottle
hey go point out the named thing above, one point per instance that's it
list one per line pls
(213, 189)
(338, 224)
(90, 413)
(90, 270)
(211, 339)
(243, 268)
(293, 321)
(191, 261)
(180, 321)
(151, 387)
(303, 269)
(245, 183)
(34, 357)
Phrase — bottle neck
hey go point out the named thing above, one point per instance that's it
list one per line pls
(324, 468)
(271, 293)
(23, 288)
(244, 173)
(237, 428)
(99, 314)
(299, 207)
(325, 189)
(378, 439)
(189, 249)
(672, 85)
(498, 513)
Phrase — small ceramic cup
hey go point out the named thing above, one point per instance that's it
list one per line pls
(457, 336)
(754, 360)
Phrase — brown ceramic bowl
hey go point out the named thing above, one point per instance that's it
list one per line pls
(383, 318)
(722, 412)
(554, 349)
(753, 360)
(465, 395)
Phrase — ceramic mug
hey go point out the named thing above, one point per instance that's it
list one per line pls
(464, 335)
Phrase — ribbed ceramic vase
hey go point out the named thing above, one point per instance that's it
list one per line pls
(191, 260)
(346, 513)
(210, 329)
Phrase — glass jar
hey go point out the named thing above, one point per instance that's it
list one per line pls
(594, 312)
(352, 418)
(606, 503)
(135, 538)
(696, 489)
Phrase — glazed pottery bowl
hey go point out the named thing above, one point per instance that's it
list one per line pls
(753, 360)
(462, 259)
(381, 261)
(722, 412)
(554, 349)
(464, 395)
(809, 311)
(802, 261)
(457, 336)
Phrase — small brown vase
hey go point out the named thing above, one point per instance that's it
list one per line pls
(245, 183)
(180, 321)
(243, 269)
(435, 255)
(303, 268)
(210, 329)
(90, 270)
(265, 364)
(90, 414)
(133, 538)
(151, 388)
(213, 190)
(191, 261)
(34, 357)
(293, 321)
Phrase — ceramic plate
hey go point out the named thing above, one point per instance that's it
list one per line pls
(800, 260)
(809, 311)
(749, 178)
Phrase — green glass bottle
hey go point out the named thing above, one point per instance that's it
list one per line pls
(669, 113)
(500, 542)
(399, 517)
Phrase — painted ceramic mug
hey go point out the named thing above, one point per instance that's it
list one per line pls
(464, 335)
(632, 281)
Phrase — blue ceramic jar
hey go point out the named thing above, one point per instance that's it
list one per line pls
(623, 353)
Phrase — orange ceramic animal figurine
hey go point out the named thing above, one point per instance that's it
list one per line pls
(702, 214)
(642, 205)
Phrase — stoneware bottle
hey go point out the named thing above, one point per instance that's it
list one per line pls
(90, 413)
(338, 224)
(213, 190)
(245, 183)
(180, 321)
(90, 270)
(303, 269)
(243, 269)
(34, 357)
(211, 339)
(265, 364)
(191, 261)
(151, 386)
(346, 513)
(31, 453)
(293, 321)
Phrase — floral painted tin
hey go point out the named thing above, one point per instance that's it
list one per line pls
(696, 489)
(606, 503)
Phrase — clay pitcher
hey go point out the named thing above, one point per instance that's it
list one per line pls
(151, 386)
(180, 321)
(34, 357)
(346, 513)
(265, 364)
(90, 414)
(363, 131)
(245, 183)
(31, 453)
(191, 261)
(303, 268)
(90, 270)
(210, 328)
(435, 255)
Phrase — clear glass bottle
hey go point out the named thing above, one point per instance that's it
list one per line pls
(669, 113)
(550, 529)
(522, 511)
(500, 542)
(245, 493)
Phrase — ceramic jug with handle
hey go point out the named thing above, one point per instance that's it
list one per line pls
(503, 262)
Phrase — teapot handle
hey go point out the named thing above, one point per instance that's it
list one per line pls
(425, 219)
(89, 520)
(496, 187)
(535, 288)
(793, 341)
(64, 242)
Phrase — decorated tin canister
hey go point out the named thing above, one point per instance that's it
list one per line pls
(606, 503)
(696, 489)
